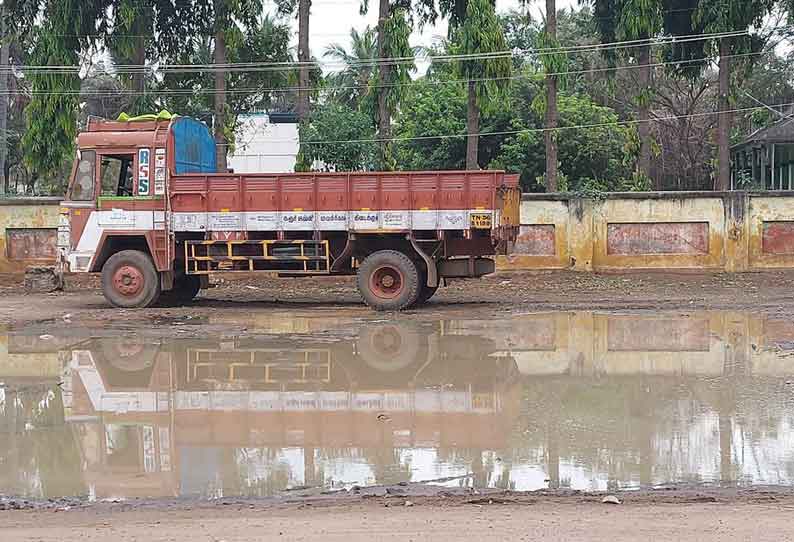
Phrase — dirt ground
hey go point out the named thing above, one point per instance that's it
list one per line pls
(758, 517)
(496, 296)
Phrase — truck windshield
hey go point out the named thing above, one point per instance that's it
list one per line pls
(83, 188)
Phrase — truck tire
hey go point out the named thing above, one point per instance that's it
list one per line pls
(425, 291)
(388, 281)
(186, 288)
(389, 347)
(130, 280)
(127, 354)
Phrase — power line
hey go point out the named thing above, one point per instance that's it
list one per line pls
(288, 90)
(523, 131)
(291, 65)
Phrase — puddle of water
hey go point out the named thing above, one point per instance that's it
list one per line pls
(577, 400)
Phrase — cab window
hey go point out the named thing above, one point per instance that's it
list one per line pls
(84, 180)
(116, 172)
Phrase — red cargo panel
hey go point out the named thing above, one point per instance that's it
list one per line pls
(363, 192)
(297, 193)
(395, 192)
(261, 193)
(481, 190)
(332, 192)
(424, 188)
(393, 201)
(453, 191)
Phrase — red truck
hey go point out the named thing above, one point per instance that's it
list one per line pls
(147, 209)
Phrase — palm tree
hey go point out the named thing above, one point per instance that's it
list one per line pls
(480, 33)
(349, 86)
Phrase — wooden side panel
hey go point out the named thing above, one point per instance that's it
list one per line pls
(424, 191)
(364, 192)
(453, 191)
(224, 195)
(188, 193)
(261, 193)
(297, 193)
(332, 193)
(395, 192)
(481, 190)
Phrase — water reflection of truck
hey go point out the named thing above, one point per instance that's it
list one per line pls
(147, 209)
(145, 416)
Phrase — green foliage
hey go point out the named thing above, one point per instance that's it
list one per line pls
(52, 112)
(431, 110)
(397, 32)
(592, 157)
(481, 33)
(331, 123)
(267, 41)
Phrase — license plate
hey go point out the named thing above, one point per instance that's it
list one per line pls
(481, 221)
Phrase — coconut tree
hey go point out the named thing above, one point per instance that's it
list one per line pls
(478, 33)
(396, 19)
(350, 84)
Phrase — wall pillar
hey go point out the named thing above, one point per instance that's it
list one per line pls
(737, 231)
(581, 241)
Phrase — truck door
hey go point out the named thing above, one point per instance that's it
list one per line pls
(129, 202)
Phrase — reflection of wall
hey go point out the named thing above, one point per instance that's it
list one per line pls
(20, 364)
(730, 231)
(697, 344)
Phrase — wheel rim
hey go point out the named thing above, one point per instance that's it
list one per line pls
(128, 280)
(387, 342)
(386, 282)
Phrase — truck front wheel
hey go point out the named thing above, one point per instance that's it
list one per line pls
(130, 280)
(388, 281)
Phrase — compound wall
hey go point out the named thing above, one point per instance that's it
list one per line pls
(28, 232)
(713, 231)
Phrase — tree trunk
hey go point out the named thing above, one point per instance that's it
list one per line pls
(5, 47)
(384, 72)
(219, 120)
(139, 57)
(725, 118)
(644, 113)
(303, 59)
(139, 60)
(473, 129)
(551, 105)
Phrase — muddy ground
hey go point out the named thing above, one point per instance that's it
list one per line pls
(499, 295)
(761, 515)
(677, 513)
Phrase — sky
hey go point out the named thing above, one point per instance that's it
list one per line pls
(331, 21)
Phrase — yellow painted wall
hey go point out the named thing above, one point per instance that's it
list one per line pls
(24, 214)
(735, 230)
(45, 365)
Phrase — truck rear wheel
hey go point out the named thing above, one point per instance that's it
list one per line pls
(388, 281)
(426, 293)
(130, 280)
